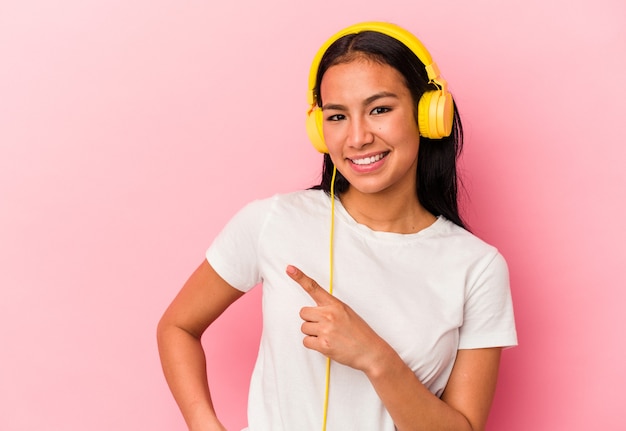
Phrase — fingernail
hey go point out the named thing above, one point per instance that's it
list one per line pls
(291, 269)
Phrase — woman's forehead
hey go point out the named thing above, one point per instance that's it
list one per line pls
(361, 76)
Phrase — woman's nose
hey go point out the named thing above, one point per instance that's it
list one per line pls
(359, 133)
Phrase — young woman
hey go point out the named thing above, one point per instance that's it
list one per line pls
(420, 308)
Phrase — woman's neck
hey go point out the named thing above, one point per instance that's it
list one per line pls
(387, 212)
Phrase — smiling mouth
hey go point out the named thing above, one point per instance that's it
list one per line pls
(369, 160)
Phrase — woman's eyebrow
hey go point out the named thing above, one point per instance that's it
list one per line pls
(367, 101)
(333, 106)
(377, 96)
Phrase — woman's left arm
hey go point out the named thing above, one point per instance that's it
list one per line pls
(464, 404)
(334, 329)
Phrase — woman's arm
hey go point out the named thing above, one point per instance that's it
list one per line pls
(335, 330)
(202, 299)
(465, 402)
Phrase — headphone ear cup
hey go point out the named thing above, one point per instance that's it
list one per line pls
(314, 122)
(435, 113)
(423, 114)
(445, 114)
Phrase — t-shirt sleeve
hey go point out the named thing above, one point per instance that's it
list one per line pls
(234, 252)
(488, 314)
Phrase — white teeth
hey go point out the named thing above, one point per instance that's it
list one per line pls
(368, 160)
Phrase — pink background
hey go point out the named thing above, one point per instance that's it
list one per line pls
(131, 131)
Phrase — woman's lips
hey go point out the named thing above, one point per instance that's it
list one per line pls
(368, 160)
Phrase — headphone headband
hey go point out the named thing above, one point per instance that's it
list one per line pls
(391, 30)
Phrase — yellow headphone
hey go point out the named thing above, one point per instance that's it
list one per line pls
(435, 109)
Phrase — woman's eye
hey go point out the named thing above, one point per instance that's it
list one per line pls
(336, 117)
(380, 110)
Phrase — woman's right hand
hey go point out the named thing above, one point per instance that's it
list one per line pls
(202, 299)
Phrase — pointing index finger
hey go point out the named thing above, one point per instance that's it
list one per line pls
(319, 295)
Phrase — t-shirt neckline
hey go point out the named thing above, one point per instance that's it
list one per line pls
(344, 216)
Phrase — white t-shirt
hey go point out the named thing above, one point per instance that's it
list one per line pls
(427, 294)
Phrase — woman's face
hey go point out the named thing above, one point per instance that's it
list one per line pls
(369, 126)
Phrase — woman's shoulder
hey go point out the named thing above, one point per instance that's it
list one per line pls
(461, 239)
(308, 201)
(300, 200)
(307, 196)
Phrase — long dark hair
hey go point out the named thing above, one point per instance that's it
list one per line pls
(437, 179)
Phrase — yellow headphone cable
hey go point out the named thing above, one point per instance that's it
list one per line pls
(330, 286)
